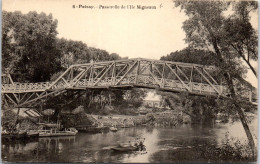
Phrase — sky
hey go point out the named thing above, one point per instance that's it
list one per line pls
(129, 33)
(132, 33)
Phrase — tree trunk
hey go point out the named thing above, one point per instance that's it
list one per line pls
(251, 67)
(55, 115)
(247, 130)
(234, 99)
(17, 117)
(241, 113)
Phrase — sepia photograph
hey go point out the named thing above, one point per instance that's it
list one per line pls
(129, 81)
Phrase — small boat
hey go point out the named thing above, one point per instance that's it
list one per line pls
(218, 121)
(113, 129)
(19, 135)
(125, 149)
(55, 133)
(136, 145)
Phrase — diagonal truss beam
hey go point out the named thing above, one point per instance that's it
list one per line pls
(122, 69)
(15, 103)
(156, 79)
(182, 72)
(79, 76)
(60, 77)
(131, 67)
(210, 76)
(103, 74)
(187, 87)
(207, 80)
(154, 66)
(43, 95)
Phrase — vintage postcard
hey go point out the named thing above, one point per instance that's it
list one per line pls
(129, 81)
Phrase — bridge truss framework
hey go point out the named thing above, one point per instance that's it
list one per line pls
(163, 75)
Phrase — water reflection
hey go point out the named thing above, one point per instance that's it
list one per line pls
(180, 144)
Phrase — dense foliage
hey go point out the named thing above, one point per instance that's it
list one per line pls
(33, 53)
(191, 55)
(29, 46)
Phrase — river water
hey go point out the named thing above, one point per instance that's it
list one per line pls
(178, 144)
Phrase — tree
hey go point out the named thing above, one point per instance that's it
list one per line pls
(204, 29)
(9, 58)
(239, 35)
(72, 52)
(29, 45)
(115, 56)
(99, 55)
(191, 55)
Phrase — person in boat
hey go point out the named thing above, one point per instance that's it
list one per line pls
(141, 146)
(136, 144)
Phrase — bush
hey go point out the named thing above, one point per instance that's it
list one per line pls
(231, 150)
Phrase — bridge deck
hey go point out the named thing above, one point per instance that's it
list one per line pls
(145, 81)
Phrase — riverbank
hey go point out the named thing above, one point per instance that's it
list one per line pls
(168, 118)
(151, 117)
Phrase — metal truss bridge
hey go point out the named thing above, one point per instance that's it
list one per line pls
(163, 75)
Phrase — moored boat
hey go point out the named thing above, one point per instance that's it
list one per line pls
(90, 129)
(113, 129)
(15, 135)
(53, 133)
(19, 135)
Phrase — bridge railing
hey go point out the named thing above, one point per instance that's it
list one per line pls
(119, 80)
(25, 87)
(141, 80)
(149, 81)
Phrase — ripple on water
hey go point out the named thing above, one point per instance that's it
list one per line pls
(170, 148)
